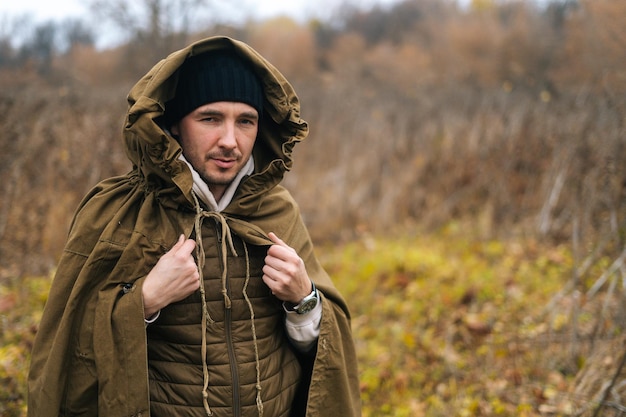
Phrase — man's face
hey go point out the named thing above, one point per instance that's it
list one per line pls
(217, 140)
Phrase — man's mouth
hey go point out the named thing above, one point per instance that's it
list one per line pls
(224, 163)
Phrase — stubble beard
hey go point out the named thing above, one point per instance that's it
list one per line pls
(216, 179)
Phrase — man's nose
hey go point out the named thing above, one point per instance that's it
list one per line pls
(228, 138)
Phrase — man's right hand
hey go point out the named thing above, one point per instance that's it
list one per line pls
(174, 277)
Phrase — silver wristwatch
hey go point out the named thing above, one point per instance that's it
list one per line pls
(307, 304)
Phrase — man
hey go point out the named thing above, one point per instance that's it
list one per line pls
(189, 286)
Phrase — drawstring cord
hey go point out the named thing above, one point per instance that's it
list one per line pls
(227, 243)
(259, 401)
(206, 317)
(226, 239)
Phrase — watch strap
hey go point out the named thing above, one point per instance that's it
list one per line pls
(295, 308)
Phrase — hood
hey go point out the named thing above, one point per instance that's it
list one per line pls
(154, 153)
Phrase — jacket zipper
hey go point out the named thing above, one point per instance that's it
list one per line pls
(228, 321)
(233, 364)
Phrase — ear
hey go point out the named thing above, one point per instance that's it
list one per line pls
(175, 130)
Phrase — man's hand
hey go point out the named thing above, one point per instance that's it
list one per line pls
(284, 272)
(174, 277)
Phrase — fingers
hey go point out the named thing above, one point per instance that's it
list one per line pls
(183, 246)
(180, 241)
(284, 271)
(275, 266)
(187, 247)
(285, 252)
(276, 239)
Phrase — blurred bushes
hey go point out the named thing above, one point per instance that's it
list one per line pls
(504, 115)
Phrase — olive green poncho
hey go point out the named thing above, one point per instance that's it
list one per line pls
(92, 332)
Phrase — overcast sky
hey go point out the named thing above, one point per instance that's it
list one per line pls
(60, 9)
(230, 11)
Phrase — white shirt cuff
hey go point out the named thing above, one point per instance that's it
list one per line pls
(152, 319)
(304, 329)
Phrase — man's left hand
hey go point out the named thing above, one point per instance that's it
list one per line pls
(284, 272)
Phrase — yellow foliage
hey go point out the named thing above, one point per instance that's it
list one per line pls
(482, 4)
(438, 328)
(448, 326)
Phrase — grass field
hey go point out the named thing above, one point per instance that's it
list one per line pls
(444, 326)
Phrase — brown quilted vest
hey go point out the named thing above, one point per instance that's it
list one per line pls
(251, 368)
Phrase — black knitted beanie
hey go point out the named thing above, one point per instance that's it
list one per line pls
(211, 77)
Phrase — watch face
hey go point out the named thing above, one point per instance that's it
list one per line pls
(307, 305)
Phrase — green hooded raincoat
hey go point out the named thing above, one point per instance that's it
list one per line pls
(94, 315)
